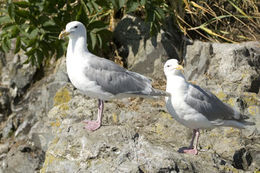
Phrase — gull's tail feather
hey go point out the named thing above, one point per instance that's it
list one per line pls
(248, 123)
(154, 93)
(237, 124)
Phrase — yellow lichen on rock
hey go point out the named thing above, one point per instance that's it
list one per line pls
(254, 110)
(231, 102)
(166, 115)
(159, 129)
(56, 123)
(62, 96)
(49, 158)
(115, 117)
(221, 95)
(251, 98)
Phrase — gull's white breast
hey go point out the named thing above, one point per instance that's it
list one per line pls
(76, 71)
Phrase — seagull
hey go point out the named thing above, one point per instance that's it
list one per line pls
(98, 77)
(196, 108)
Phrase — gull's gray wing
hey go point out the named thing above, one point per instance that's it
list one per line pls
(116, 80)
(209, 105)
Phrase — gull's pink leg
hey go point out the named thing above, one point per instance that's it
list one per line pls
(94, 125)
(192, 149)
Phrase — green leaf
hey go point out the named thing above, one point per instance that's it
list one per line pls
(25, 39)
(131, 6)
(45, 47)
(39, 57)
(31, 51)
(99, 40)
(14, 31)
(94, 5)
(17, 45)
(5, 19)
(7, 42)
(159, 13)
(11, 9)
(22, 13)
(44, 19)
(4, 47)
(34, 33)
(93, 39)
(142, 2)
(22, 4)
(60, 49)
(121, 3)
(28, 60)
(114, 3)
(103, 4)
(96, 24)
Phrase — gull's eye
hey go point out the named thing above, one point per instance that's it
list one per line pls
(168, 65)
(75, 26)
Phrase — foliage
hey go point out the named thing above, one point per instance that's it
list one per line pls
(219, 21)
(34, 25)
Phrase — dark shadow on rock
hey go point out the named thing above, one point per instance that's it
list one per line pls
(130, 31)
(172, 40)
(242, 159)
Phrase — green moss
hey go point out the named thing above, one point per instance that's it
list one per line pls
(62, 96)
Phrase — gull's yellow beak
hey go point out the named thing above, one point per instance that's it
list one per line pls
(179, 67)
(63, 34)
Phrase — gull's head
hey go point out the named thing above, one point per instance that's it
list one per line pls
(73, 29)
(172, 67)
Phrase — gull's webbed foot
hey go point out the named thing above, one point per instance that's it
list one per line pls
(92, 125)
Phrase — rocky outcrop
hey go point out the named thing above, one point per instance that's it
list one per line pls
(138, 136)
(24, 106)
(143, 54)
(41, 120)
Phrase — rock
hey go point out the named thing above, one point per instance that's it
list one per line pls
(136, 136)
(24, 158)
(16, 75)
(27, 122)
(4, 148)
(9, 128)
(233, 66)
(143, 54)
(5, 103)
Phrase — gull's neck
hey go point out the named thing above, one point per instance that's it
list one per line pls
(77, 46)
(176, 84)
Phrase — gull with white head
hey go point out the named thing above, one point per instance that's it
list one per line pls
(196, 108)
(98, 77)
